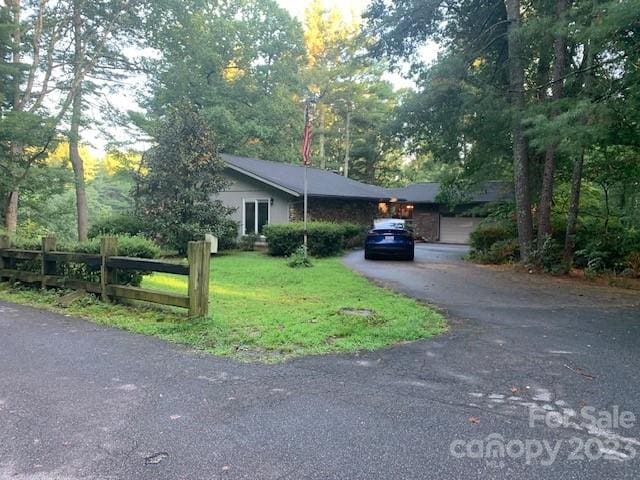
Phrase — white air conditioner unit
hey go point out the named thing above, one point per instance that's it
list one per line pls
(213, 240)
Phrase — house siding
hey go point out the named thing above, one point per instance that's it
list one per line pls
(244, 188)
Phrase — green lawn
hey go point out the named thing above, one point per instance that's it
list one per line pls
(261, 309)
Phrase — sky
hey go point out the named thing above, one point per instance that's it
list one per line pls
(348, 7)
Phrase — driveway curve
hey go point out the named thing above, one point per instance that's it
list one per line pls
(83, 401)
(519, 340)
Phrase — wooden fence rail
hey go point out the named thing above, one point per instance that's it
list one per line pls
(108, 262)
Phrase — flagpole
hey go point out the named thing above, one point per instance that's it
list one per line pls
(306, 149)
(305, 206)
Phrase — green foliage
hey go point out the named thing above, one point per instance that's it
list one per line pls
(600, 251)
(502, 251)
(248, 242)
(25, 140)
(128, 246)
(227, 232)
(117, 224)
(300, 258)
(242, 70)
(53, 208)
(494, 240)
(182, 172)
(581, 92)
(550, 257)
(137, 247)
(325, 239)
(633, 264)
(490, 232)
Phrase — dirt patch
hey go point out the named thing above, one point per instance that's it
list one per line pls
(576, 277)
(357, 312)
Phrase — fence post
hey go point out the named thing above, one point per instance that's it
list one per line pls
(108, 248)
(5, 242)
(48, 266)
(199, 255)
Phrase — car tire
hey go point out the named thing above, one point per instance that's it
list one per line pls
(368, 256)
(410, 256)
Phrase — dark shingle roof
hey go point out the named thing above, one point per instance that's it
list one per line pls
(323, 183)
(290, 177)
(417, 192)
(427, 192)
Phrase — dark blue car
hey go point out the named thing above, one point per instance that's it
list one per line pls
(389, 238)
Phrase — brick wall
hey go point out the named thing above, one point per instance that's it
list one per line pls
(426, 220)
(336, 210)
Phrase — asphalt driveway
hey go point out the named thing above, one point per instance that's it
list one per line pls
(82, 401)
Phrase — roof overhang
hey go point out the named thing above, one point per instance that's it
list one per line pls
(262, 180)
(351, 197)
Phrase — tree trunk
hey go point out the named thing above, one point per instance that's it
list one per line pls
(11, 212)
(576, 177)
(548, 176)
(78, 170)
(347, 144)
(520, 153)
(574, 208)
(11, 201)
(74, 133)
(323, 159)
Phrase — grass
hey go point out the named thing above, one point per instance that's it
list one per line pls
(263, 310)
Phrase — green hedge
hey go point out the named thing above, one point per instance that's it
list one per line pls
(132, 225)
(227, 233)
(494, 241)
(128, 246)
(490, 232)
(324, 238)
(119, 224)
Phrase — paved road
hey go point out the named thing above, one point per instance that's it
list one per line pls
(80, 401)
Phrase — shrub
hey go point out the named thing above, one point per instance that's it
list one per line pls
(120, 224)
(128, 246)
(606, 251)
(227, 233)
(324, 238)
(550, 257)
(490, 232)
(300, 258)
(248, 242)
(503, 251)
(633, 264)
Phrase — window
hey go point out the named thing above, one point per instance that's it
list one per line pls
(256, 216)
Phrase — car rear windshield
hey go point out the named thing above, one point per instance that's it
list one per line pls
(389, 225)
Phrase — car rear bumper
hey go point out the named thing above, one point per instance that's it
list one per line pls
(391, 250)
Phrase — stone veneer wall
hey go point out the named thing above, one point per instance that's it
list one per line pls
(426, 220)
(335, 210)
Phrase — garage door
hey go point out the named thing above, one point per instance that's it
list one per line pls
(457, 230)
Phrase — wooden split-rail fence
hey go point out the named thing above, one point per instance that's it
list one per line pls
(108, 262)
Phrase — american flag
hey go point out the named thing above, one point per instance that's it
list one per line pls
(306, 139)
